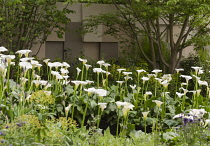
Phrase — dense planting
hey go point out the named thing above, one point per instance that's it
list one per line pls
(137, 107)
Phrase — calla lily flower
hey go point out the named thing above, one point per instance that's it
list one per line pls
(202, 83)
(145, 115)
(26, 59)
(140, 71)
(78, 70)
(119, 104)
(84, 61)
(207, 121)
(65, 65)
(156, 71)
(196, 68)
(64, 71)
(3, 49)
(8, 58)
(43, 82)
(68, 108)
(180, 94)
(127, 107)
(23, 52)
(128, 77)
(106, 64)
(98, 70)
(187, 78)
(90, 90)
(79, 82)
(145, 79)
(89, 82)
(46, 61)
(198, 92)
(36, 82)
(87, 66)
(178, 116)
(159, 80)
(179, 69)
(120, 70)
(66, 77)
(199, 113)
(151, 75)
(165, 83)
(120, 82)
(25, 65)
(133, 86)
(101, 92)
(100, 62)
(102, 106)
(158, 103)
(127, 73)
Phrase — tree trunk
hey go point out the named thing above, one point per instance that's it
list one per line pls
(173, 60)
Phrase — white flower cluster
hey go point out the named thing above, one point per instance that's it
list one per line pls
(193, 114)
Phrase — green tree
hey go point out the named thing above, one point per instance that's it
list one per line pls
(24, 22)
(155, 21)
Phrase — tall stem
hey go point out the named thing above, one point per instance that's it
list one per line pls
(84, 114)
(74, 98)
(118, 120)
(99, 117)
(145, 125)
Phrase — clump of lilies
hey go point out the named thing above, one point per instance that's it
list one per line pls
(86, 97)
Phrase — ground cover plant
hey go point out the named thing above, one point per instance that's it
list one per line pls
(137, 108)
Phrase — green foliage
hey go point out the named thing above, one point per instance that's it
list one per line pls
(29, 130)
(188, 62)
(41, 97)
(96, 138)
(36, 111)
(155, 21)
(129, 64)
(93, 1)
(26, 22)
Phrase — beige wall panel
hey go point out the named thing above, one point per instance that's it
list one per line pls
(73, 43)
(105, 8)
(54, 50)
(163, 21)
(53, 36)
(91, 50)
(187, 51)
(108, 38)
(94, 36)
(93, 9)
(77, 7)
(35, 49)
(138, 25)
(108, 50)
(176, 30)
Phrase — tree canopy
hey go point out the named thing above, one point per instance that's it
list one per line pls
(167, 25)
(23, 22)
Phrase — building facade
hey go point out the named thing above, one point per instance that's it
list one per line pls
(91, 45)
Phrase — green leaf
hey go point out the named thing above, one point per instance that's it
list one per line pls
(111, 107)
(169, 135)
(59, 107)
(171, 123)
(131, 127)
(93, 104)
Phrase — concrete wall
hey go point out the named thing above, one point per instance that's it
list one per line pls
(91, 46)
(73, 45)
